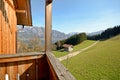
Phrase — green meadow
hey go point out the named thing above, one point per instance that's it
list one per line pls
(100, 62)
(60, 53)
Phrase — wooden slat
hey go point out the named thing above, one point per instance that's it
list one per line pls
(3, 26)
(2, 68)
(20, 11)
(0, 26)
(43, 69)
(2, 71)
(12, 70)
(27, 70)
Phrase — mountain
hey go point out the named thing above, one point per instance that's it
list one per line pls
(95, 33)
(72, 33)
(28, 33)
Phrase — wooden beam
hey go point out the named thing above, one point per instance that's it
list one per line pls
(20, 57)
(20, 11)
(11, 5)
(59, 72)
(48, 26)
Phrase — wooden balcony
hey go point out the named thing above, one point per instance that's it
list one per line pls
(32, 66)
(26, 66)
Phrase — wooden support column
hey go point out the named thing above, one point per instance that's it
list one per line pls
(48, 25)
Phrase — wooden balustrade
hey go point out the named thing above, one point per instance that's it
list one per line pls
(32, 66)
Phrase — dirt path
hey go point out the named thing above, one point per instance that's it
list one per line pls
(76, 53)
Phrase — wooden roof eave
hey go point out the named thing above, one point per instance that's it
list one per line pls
(49, 0)
(23, 12)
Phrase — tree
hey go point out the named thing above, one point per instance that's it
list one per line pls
(108, 33)
(34, 44)
(76, 39)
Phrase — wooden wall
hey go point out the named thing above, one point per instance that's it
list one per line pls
(7, 27)
(7, 37)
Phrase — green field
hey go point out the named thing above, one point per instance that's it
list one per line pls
(101, 62)
(59, 53)
(80, 46)
(83, 45)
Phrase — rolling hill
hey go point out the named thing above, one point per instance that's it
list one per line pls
(101, 62)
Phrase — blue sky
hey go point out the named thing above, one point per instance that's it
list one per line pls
(78, 15)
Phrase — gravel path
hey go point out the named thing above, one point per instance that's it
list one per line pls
(77, 52)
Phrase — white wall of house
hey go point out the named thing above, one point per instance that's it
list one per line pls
(70, 49)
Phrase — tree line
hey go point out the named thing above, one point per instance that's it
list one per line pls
(108, 33)
(73, 40)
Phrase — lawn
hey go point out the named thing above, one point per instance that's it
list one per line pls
(59, 53)
(101, 62)
(80, 46)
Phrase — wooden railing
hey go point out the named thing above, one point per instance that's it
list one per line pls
(32, 66)
(59, 71)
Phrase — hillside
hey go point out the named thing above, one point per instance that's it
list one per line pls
(101, 62)
(60, 53)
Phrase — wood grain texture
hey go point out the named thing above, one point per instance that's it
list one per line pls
(57, 68)
(7, 28)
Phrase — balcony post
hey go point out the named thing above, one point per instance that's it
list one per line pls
(48, 25)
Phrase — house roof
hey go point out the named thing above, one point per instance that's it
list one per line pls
(67, 45)
(23, 12)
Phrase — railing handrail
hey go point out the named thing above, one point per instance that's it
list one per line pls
(20, 56)
(61, 72)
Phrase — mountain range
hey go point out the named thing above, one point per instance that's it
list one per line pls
(27, 33)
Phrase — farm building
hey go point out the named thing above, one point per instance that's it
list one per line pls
(68, 47)
(26, 66)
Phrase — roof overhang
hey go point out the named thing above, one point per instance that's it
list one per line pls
(23, 12)
(49, 0)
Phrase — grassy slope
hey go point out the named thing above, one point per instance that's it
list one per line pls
(59, 53)
(101, 62)
(77, 47)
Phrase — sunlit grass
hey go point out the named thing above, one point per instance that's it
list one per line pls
(101, 62)
(80, 46)
(59, 53)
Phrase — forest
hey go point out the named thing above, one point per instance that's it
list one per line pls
(108, 33)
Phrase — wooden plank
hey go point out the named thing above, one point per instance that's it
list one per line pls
(31, 70)
(2, 71)
(27, 70)
(0, 26)
(19, 58)
(43, 69)
(61, 72)
(29, 18)
(3, 27)
(2, 66)
(8, 31)
(21, 55)
(6, 27)
(12, 70)
(20, 11)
